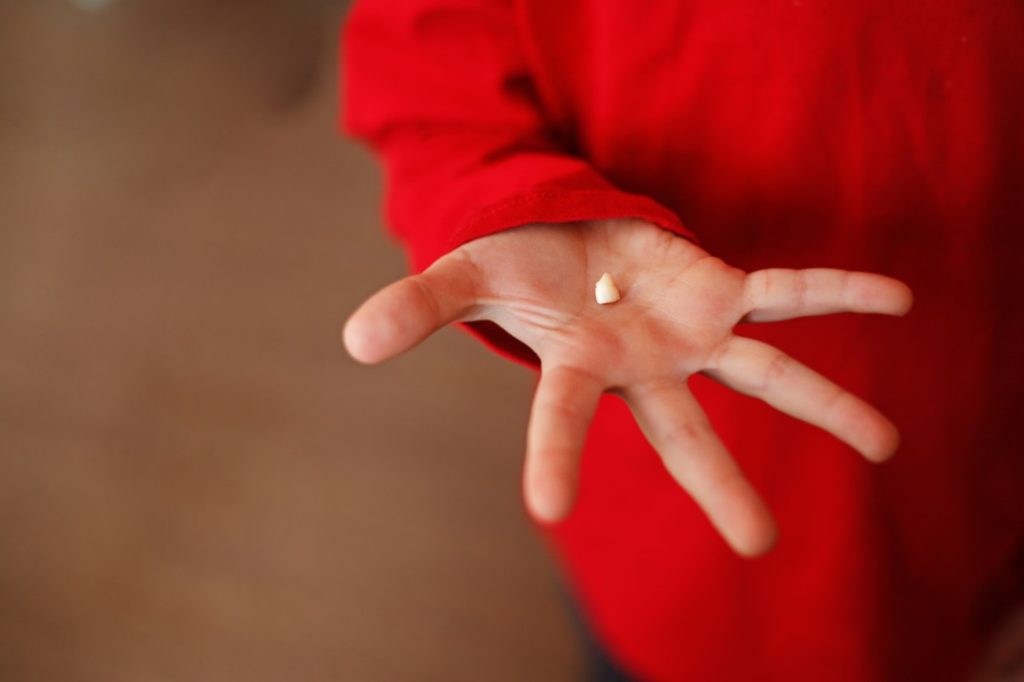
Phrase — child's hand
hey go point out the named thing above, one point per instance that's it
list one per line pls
(678, 309)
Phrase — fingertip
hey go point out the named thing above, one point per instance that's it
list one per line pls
(358, 341)
(873, 435)
(756, 537)
(547, 500)
(757, 548)
(385, 325)
(882, 294)
(868, 431)
(884, 444)
(744, 520)
(904, 298)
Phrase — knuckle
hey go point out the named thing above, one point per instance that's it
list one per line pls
(688, 431)
(778, 366)
(563, 410)
(799, 291)
(760, 285)
(426, 295)
(721, 481)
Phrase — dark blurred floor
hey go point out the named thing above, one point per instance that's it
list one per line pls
(195, 482)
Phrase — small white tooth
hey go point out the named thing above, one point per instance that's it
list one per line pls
(606, 291)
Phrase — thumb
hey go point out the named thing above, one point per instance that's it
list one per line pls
(404, 313)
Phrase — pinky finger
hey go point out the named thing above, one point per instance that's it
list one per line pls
(780, 294)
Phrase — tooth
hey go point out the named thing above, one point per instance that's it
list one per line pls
(606, 291)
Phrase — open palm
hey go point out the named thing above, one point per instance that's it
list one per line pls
(676, 317)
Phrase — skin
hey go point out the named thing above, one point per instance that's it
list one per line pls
(676, 317)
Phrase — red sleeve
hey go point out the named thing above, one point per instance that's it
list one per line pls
(441, 90)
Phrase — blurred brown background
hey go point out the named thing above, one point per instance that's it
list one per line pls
(195, 482)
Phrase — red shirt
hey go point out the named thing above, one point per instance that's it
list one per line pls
(869, 135)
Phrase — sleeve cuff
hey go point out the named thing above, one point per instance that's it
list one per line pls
(553, 204)
(546, 205)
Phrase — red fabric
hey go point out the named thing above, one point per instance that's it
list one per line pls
(868, 134)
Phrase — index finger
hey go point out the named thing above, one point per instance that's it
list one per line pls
(563, 406)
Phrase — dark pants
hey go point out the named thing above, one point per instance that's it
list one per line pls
(599, 666)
